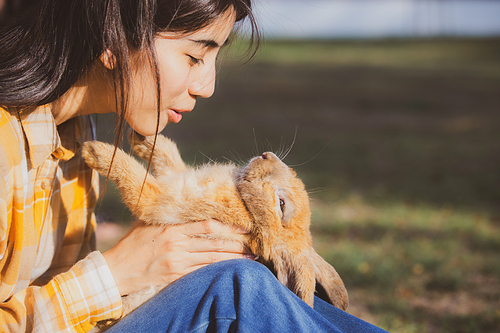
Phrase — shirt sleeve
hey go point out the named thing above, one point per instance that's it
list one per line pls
(70, 300)
(73, 301)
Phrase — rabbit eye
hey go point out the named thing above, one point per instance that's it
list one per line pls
(282, 205)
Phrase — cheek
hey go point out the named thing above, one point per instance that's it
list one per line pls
(142, 93)
(174, 79)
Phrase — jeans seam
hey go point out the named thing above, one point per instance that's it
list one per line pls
(205, 325)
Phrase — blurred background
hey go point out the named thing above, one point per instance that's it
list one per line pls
(392, 112)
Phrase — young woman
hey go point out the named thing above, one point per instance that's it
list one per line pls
(148, 61)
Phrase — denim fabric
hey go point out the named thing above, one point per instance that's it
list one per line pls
(236, 296)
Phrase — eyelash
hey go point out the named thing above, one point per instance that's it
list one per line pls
(195, 61)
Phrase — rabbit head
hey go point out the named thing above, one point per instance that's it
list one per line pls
(279, 205)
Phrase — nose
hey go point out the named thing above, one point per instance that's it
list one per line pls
(204, 87)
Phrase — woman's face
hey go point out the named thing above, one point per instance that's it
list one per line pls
(186, 64)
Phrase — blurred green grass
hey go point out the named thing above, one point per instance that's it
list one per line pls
(398, 142)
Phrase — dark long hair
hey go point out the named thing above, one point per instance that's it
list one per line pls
(54, 42)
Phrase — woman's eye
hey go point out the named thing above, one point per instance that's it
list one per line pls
(194, 60)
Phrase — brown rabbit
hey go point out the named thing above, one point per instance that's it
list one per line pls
(264, 197)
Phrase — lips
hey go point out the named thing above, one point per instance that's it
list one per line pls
(175, 116)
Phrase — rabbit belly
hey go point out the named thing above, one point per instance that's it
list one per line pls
(197, 195)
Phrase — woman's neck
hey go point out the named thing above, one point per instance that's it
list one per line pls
(92, 93)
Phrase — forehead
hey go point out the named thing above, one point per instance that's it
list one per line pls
(213, 34)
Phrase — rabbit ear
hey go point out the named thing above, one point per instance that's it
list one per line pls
(329, 285)
(297, 274)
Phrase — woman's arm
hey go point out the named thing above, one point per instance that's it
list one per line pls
(71, 302)
(46, 220)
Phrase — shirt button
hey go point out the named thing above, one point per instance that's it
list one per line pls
(44, 185)
(58, 153)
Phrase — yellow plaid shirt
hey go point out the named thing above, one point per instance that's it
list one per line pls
(47, 223)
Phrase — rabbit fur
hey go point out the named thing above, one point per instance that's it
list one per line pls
(264, 197)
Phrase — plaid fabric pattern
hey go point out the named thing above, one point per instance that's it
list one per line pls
(47, 197)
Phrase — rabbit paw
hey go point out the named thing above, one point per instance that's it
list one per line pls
(98, 155)
(141, 145)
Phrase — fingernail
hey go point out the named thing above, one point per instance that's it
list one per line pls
(251, 256)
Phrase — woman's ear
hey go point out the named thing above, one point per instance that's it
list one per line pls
(108, 59)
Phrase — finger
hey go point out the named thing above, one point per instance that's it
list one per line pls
(209, 227)
(206, 258)
(197, 245)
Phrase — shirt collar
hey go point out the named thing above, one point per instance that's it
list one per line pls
(45, 138)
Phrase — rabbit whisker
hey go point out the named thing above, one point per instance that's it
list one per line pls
(317, 190)
(239, 159)
(279, 153)
(269, 145)
(228, 159)
(312, 158)
(208, 158)
(292, 144)
(255, 141)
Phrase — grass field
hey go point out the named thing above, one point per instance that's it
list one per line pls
(399, 144)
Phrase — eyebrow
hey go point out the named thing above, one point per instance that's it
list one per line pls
(209, 43)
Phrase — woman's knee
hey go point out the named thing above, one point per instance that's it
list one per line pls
(247, 272)
(244, 268)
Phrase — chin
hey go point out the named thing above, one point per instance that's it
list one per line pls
(148, 130)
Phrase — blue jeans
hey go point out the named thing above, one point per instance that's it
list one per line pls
(236, 296)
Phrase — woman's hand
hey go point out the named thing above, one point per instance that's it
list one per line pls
(153, 255)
